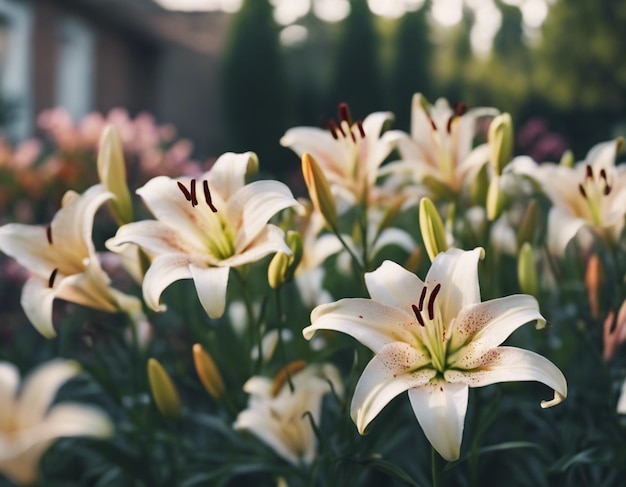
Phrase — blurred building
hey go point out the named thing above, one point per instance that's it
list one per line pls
(98, 54)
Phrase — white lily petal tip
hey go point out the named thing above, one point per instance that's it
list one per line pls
(541, 324)
(558, 398)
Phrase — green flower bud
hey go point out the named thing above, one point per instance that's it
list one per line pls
(112, 174)
(526, 230)
(319, 190)
(208, 372)
(500, 137)
(526, 270)
(277, 269)
(163, 390)
(567, 159)
(432, 229)
(495, 199)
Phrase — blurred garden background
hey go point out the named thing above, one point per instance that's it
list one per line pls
(233, 74)
(184, 81)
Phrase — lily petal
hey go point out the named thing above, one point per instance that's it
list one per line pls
(211, 284)
(269, 432)
(391, 372)
(76, 420)
(562, 227)
(440, 409)
(508, 364)
(28, 245)
(252, 206)
(489, 323)
(40, 388)
(228, 174)
(457, 271)
(74, 222)
(271, 239)
(317, 142)
(9, 383)
(369, 322)
(163, 271)
(393, 285)
(36, 300)
(152, 236)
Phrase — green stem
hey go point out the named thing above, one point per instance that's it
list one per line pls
(281, 342)
(254, 332)
(436, 468)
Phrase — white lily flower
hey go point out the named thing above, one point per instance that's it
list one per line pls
(202, 240)
(316, 248)
(591, 194)
(348, 153)
(276, 415)
(63, 263)
(29, 424)
(440, 146)
(435, 339)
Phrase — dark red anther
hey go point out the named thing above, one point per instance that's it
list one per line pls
(431, 301)
(207, 196)
(603, 175)
(422, 296)
(460, 108)
(49, 234)
(344, 113)
(589, 172)
(185, 191)
(189, 195)
(432, 124)
(582, 191)
(607, 190)
(418, 315)
(449, 124)
(359, 124)
(334, 130)
(194, 199)
(52, 277)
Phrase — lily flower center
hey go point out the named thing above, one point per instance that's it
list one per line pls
(349, 134)
(594, 188)
(430, 318)
(444, 141)
(220, 240)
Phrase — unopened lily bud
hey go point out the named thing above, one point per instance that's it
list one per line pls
(208, 372)
(277, 270)
(500, 137)
(294, 242)
(495, 199)
(432, 229)
(594, 282)
(282, 266)
(112, 174)
(319, 190)
(526, 271)
(478, 187)
(526, 230)
(614, 333)
(285, 374)
(567, 159)
(163, 390)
